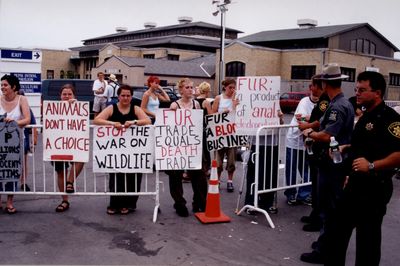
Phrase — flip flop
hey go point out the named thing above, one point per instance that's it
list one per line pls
(124, 211)
(111, 211)
(63, 206)
(11, 210)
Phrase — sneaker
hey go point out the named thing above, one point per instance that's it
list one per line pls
(229, 187)
(306, 201)
(312, 257)
(291, 201)
(272, 210)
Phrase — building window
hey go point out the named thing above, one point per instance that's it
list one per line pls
(149, 56)
(303, 72)
(235, 69)
(62, 74)
(362, 46)
(394, 79)
(50, 74)
(351, 72)
(173, 57)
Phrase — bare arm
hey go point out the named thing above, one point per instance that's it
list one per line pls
(102, 118)
(215, 105)
(389, 162)
(162, 96)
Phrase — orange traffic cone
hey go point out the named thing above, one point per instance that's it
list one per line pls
(213, 212)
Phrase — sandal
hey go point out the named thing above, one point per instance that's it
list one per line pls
(111, 211)
(69, 188)
(124, 211)
(63, 206)
(10, 210)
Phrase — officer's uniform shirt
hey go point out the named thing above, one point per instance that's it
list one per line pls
(338, 120)
(376, 135)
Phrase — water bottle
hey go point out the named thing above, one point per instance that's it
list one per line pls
(308, 143)
(334, 147)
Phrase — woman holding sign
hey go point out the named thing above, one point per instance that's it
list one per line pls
(123, 115)
(66, 180)
(225, 103)
(197, 177)
(15, 108)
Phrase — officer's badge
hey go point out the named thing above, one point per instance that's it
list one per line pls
(333, 115)
(369, 126)
(394, 129)
(323, 105)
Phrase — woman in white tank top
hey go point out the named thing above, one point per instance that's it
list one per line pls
(15, 107)
(152, 97)
(225, 103)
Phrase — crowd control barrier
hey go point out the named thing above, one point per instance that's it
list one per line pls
(269, 155)
(42, 179)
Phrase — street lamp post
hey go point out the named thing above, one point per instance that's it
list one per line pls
(221, 8)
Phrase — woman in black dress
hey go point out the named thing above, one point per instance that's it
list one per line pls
(119, 115)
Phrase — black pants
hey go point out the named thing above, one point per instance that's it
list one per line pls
(268, 172)
(117, 184)
(199, 186)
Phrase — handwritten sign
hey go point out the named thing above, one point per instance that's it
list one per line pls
(126, 150)
(258, 103)
(11, 151)
(221, 132)
(66, 131)
(178, 139)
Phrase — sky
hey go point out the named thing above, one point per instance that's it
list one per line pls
(63, 24)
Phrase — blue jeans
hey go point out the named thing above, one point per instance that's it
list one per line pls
(296, 160)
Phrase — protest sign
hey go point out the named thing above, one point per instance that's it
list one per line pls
(258, 103)
(66, 131)
(126, 150)
(221, 131)
(11, 151)
(179, 136)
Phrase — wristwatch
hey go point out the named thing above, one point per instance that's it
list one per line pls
(135, 122)
(371, 167)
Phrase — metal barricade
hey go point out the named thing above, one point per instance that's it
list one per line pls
(269, 157)
(43, 179)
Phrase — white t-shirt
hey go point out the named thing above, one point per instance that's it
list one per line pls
(97, 84)
(294, 137)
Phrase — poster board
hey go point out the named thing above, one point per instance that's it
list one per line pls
(258, 103)
(66, 131)
(11, 151)
(178, 139)
(126, 150)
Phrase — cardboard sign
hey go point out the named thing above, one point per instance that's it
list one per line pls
(66, 131)
(258, 103)
(126, 150)
(221, 132)
(179, 137)
(11, 151)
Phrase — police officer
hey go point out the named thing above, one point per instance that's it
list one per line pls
(375, 150)
(338, 122)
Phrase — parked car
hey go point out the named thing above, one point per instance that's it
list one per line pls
(289, 100)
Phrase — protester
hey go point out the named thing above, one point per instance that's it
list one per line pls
(267, 170)
(375, 152)
(27, 146)
(111, 90)
(204, 90)
(100, 98)
(197, 177)
(296, 159)
(65, 179)
(15, 108)
(123, 115)
(337, 122)
(225, 103)
(152, 97)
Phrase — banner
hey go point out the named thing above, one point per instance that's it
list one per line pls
(66, 131)
(11, 151)
(258, 103)
(221, 132)
(126, 150)
(179, 136)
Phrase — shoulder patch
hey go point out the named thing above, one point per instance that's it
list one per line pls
(323, 105)
(394, 129)
(333, 115)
